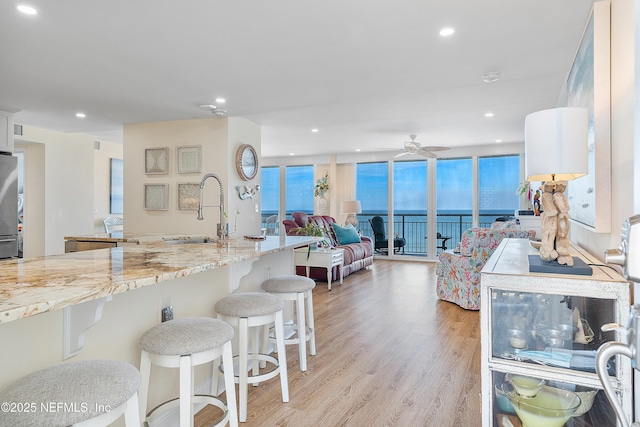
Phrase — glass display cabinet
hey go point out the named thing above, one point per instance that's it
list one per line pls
(539, 337)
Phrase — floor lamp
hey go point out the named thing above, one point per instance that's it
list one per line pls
(555, 146)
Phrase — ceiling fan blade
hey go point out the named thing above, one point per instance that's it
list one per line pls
(401, 154)
(426, 153)
(435, 148)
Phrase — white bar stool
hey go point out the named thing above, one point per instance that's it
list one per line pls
(185, 343)
(89, 393)
(297, 289)
(246, 310)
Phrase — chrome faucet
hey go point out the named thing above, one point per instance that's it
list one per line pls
(222, 230)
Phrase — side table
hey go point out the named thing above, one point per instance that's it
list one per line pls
(324, 258)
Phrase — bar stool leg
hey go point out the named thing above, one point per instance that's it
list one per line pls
(311, 322)
(265, 344)
(143, 392)
(282, 356)
(132, 412)
(229, 384)
(186, 391)
(302, 331)
(255, 350)
(243, 348)
(215, 378)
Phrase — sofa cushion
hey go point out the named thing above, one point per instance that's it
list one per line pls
(346, 235)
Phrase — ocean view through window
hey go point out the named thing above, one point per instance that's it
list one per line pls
(453, 199)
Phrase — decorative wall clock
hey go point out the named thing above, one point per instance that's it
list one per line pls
(247, 162)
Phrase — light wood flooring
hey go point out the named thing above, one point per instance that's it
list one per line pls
(389, 353)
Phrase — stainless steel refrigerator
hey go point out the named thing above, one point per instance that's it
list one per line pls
(8, 206)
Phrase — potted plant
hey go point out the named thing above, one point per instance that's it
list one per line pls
(322, 186)
(524, 189)
(311, 229)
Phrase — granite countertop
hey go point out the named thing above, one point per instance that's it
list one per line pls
(32, 286)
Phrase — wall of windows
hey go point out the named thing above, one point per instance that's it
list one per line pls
(457, 193)
(463, 186)
(299, 189)
(498, 179)
(454, 201)
(270, 190)
(410, 192)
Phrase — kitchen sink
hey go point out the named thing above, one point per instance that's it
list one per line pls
(188, 241)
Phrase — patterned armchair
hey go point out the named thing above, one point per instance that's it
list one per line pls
(459, 274)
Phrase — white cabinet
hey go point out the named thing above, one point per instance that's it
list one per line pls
(535, 308)
(6, 132)
(530, 222)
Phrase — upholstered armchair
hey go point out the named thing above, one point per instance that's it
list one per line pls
(459, 273)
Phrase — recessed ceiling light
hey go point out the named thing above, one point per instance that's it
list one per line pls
(27, 9)
(221, 100)
(357, 149)
(314, 130)
(498, 140)
(81, 115)
(488, 114)
(447, 32)
(292, 154)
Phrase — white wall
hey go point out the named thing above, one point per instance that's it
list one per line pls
(624, 140)
(59, 188)
(219, 138)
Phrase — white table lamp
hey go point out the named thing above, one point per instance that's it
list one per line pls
(351, 207)
(555, 146)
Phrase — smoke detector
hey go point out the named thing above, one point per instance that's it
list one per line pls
(491, 77)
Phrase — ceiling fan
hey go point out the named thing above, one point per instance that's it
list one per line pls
(413, 147)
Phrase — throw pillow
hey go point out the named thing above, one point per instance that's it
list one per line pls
(346, 235)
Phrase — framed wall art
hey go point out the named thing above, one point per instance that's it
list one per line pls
(188, 195)
(189, 159)
(156, 160)
(588, 86)
(156, 197)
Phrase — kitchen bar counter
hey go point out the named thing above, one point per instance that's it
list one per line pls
(37, 285)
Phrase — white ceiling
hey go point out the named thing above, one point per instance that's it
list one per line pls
(365, 73)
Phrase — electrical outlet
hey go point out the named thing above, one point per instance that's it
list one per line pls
(267, 273)
(167, 313)
(257, 207)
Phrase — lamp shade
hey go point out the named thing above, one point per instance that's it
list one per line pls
(555, 144)
(351, 206)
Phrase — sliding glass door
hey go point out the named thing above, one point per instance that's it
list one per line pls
(454, 191)
(410, 207)
(372, 189)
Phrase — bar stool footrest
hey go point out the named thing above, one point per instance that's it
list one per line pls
(197, 398)
(254, 379)
(293, 328)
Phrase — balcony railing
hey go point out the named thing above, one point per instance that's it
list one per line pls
(413, 227)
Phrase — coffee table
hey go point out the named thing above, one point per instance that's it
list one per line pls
(324, 258)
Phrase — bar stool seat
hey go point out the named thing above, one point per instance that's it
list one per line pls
(297, 289)
(185, 343)
(246, 310)
(84, 393)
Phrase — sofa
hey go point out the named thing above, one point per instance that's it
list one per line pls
(458, 278)
(356, 255)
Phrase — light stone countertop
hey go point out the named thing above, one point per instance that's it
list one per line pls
(37, 285)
